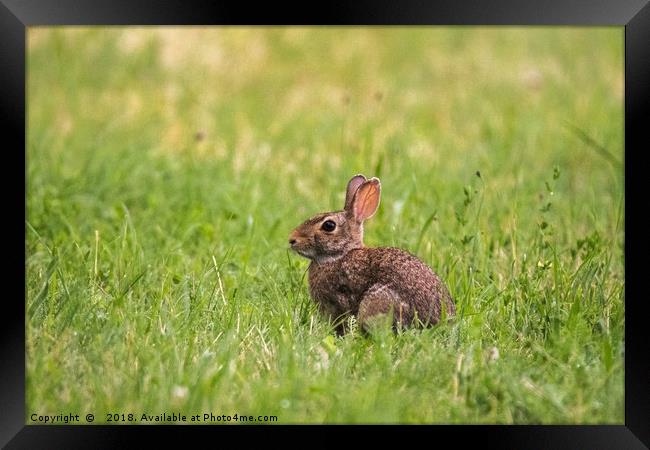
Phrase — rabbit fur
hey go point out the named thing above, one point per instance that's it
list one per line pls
(347, 278)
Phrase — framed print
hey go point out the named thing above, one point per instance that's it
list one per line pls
(356, 215)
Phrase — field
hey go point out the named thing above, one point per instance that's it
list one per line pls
(167, 167)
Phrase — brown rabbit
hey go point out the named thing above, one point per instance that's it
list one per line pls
(370, 283)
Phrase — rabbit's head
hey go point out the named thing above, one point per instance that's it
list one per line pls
(328, 236)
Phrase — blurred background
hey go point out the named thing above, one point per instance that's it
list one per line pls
(306, 107)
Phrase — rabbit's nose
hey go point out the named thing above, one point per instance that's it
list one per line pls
(292, 241)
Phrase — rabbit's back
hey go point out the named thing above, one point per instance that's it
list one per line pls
(376, 275)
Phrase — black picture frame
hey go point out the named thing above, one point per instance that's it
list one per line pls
(634, 15)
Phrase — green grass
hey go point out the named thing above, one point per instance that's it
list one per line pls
(166, 170)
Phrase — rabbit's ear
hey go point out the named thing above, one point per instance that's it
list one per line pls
(366, 200)
(353, 185)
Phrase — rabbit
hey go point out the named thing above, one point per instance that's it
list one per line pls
(347, 278)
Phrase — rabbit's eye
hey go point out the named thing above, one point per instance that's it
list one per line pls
(328, 225)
